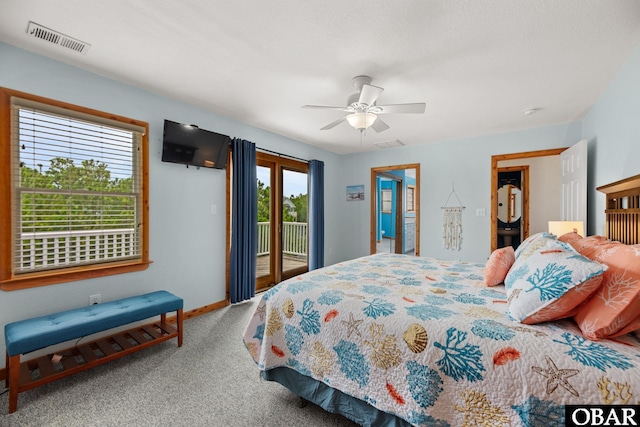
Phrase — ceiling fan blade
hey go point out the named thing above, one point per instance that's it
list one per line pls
(379, 125)
(334, 123)
(369, 94)
(417, 108)
(325, 107)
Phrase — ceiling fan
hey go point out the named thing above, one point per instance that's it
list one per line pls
(362, 109)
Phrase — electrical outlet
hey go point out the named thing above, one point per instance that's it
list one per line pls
(95, 299)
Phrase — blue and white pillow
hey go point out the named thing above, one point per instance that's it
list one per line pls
(550, 283)
(535, 242)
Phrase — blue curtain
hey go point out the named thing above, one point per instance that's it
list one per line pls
(316, 214)
(244, 222)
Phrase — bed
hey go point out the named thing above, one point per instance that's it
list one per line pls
(399, 340)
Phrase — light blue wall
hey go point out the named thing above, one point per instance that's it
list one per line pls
(187, 242)
(465, 163)
(612, 128)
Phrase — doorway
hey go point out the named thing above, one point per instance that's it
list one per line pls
(390, 238)
(513, 205)
(282, 219)
(395, 209)
(506, 161)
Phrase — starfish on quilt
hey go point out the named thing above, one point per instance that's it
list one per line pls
(261, 311)
(556, 376)
(352, 325)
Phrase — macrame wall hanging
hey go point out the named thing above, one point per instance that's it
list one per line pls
(452, 223)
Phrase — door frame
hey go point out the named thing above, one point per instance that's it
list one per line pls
(277, 165)
(398, 229)
(399, 220)
(373, 201)
(494, 185)
(524, 189)
(263, 282)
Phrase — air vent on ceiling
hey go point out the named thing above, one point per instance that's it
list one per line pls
(389, 144)
(46, 34)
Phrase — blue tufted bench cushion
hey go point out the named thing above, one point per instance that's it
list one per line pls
(28, 335)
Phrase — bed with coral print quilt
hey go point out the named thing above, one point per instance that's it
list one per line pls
(427, 341)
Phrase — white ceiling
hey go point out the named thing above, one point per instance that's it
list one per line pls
(476, 64)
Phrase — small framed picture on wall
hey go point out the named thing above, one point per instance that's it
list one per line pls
(355, 193)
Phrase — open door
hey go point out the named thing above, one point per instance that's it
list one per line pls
(574, 182)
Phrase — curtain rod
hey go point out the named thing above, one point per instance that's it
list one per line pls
(282, 155)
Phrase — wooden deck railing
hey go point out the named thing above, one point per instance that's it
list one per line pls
(50, 249)
(294, 238)
(45, 250)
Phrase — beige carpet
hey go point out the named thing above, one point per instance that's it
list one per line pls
(210, 381)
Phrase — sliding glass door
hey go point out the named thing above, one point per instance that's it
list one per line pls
(265, 262)
(282, 219)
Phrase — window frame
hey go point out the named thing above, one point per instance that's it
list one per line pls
(386, 206)
(8, 279)
(411, 200)
(278, 165)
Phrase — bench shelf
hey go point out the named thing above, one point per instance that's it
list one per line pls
(42, 370)
(24, 336)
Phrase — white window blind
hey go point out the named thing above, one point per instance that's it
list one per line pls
(410, 198)
(386, 201)
(76, 188)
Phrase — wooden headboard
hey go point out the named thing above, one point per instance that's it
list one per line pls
(623, 210)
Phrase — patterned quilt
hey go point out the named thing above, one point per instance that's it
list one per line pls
(426, 340)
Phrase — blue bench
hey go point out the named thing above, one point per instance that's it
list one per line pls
(28, 335)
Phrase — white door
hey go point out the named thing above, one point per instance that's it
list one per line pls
(574, 182)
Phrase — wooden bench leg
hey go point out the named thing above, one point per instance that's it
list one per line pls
(163, 319)
(179, 324)
(13, 375)
(6, 371)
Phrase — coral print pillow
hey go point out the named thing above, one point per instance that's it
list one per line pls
(498, 266)
(534, 243)
(570, 238)
(615, 308)
(550, 284)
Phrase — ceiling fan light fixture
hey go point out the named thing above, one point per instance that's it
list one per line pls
(361, 121)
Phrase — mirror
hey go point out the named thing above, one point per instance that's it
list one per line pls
(509, 203)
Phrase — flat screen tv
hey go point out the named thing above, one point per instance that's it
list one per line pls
(192, 146)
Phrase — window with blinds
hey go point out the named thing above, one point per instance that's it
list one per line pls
(411, 204)
(387, 202)
(77, 189)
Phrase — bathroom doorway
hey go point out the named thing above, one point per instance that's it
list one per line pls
(513, 205)
(395, 209)
(544, 189)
